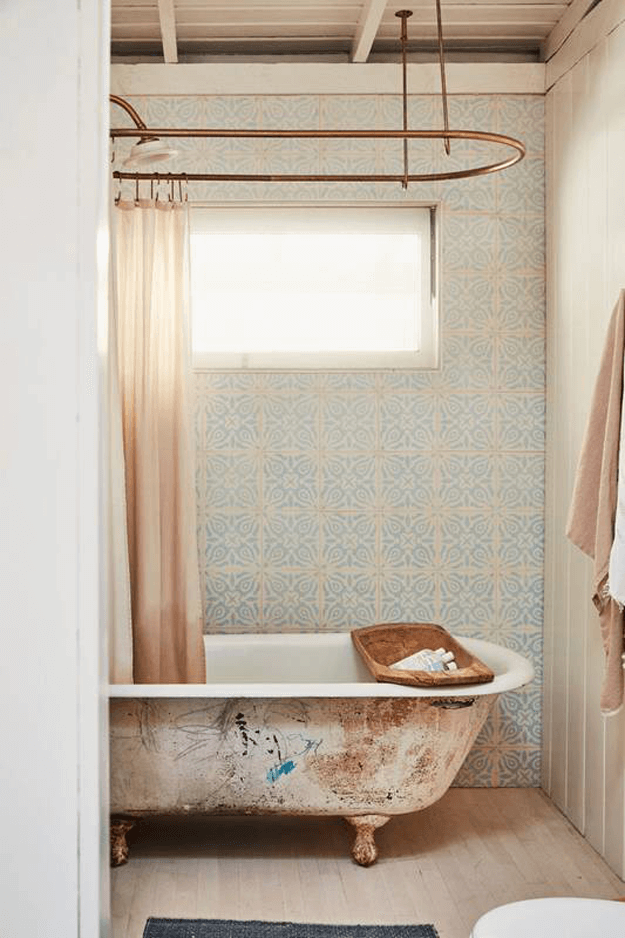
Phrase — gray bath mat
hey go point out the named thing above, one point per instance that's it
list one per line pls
(221, 928)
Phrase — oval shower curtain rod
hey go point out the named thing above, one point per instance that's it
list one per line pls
(149, 135)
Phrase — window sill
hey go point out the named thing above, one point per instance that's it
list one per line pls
(316, 361)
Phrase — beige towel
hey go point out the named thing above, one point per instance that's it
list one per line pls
(593, 507)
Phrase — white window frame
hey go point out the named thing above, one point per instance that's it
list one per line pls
(424, 358)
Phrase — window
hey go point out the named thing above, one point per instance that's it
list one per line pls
(296, 287)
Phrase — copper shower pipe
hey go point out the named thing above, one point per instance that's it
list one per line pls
(128, 108)
(403, 15)
(145, 133)
(441, 59)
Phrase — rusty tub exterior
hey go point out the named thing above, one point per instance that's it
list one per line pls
(391, 751)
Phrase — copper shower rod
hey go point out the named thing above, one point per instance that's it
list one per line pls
(343, 177)
(404, 178)
(315, 134)
(146, 133)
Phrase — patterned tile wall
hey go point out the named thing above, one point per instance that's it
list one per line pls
(329, 501)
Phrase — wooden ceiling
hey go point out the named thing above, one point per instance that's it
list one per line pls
(168, 29)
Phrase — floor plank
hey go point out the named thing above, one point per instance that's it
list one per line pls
(471, 851)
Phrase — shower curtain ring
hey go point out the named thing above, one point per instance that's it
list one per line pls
(152, 189)
(136, 190)
(186, 188)
(180, 190)
(172, 194)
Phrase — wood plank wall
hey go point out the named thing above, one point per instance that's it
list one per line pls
(583, 753)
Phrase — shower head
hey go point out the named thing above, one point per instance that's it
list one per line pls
(150, 150)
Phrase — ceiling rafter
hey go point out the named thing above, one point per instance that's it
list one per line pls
(574, 14)
(357, 28)
(167, 20)
(367, 29)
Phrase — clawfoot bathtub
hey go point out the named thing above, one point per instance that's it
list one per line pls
(294, 724)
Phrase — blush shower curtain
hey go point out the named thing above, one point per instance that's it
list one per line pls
(118, 571)
(150, 254)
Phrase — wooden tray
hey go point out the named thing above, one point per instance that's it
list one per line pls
(382, 645)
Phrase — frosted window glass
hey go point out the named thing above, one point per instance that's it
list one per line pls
(281, 284)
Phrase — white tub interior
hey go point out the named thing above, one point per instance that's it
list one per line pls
(317, 665)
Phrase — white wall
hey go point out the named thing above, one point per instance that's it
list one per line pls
(53, 165)
(584, 754)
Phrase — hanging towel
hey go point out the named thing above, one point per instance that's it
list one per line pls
(593, 507)
(616, 573)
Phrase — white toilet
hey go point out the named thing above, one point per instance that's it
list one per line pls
(554, 918)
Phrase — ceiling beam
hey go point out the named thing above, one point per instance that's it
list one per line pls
(367, 28)
(573, 15)
(167, 19)
(602, 20)
(325, 78)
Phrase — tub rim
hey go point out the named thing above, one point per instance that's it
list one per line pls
(512, 671)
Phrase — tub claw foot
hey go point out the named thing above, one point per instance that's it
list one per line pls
(119, 845)
(364, 850)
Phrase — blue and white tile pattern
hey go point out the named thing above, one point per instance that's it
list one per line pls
(329, 501)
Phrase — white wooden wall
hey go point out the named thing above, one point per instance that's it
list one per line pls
(53, 160)
(584, 753)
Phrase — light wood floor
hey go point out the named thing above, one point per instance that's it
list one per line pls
(473, 850)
